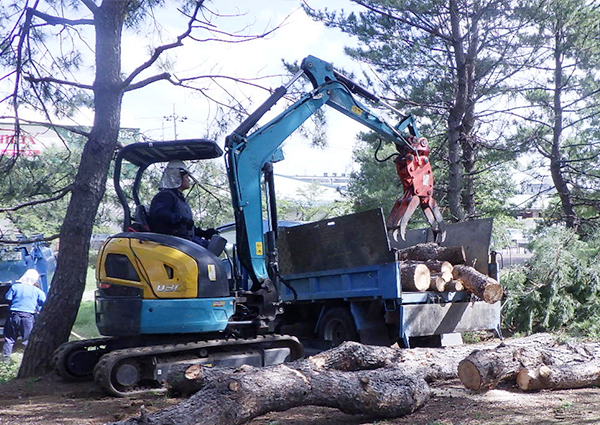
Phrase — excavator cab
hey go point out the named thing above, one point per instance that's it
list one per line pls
(146, 279)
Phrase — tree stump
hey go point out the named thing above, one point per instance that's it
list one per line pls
(482, 286)
(432, 251)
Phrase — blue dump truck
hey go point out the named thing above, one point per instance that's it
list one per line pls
(15, 259)
(341, 281)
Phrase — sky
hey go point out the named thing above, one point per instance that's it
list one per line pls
(164, 112)
(152, 109)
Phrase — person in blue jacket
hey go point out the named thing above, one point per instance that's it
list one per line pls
(169, 211)
(25, 300)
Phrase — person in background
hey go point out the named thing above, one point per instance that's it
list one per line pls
(25, 300)
(169, 211)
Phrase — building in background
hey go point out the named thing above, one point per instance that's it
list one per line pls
(32, 139)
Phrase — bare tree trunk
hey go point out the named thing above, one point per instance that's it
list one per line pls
(482, 286)
(432, 251)
(468, 144)
(555, 157)
(455, 117)
(68, 283)
(414, 276)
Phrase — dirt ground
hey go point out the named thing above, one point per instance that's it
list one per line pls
(50, 401)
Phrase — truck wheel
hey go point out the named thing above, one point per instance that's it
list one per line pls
(337, 325)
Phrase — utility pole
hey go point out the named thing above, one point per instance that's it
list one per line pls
(175, 118)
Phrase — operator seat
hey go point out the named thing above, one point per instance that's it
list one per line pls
(140, 221)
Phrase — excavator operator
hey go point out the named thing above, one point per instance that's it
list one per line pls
(170, 213)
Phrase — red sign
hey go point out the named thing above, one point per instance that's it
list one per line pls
(25, 145)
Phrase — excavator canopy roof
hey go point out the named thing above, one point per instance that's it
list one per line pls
(146, 153)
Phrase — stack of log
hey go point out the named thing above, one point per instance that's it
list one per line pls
(430, 267)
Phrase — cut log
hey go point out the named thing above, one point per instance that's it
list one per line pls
(430, 363)
(484, 369)
(354, 378)
(438, 283)
(432, 251)
(566, 376)
(436, 266)
(414, 276)
(484, 287)
(455, 285)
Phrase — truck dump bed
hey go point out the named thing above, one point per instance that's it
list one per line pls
(351, 259)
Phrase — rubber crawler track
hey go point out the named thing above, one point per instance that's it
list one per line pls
(62, 353)
(103, 371)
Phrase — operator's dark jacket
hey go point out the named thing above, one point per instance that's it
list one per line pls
(170, 214)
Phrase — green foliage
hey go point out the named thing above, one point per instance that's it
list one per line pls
(37, 178)
(9, 370)
(559, 288)
(376, 183)
(560, 116)
(419, 57)
(306, 206)
(500, 235)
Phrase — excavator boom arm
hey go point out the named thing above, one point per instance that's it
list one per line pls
(247, 154)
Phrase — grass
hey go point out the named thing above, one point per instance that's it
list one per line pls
(8, 371)
(85, 323)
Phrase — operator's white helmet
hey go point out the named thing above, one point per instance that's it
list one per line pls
(171, 178)
(30, 277)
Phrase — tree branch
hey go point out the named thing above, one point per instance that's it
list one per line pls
(33, 79)
(147, 81)
(60, 195)
(90, 5)
(433, 31)
(56, 20)
(25, 241)
(159, 50)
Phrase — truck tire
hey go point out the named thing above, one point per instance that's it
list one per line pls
(337, 325)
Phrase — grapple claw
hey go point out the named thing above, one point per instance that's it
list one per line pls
(403, 210)
(415, 173)
(434, 217)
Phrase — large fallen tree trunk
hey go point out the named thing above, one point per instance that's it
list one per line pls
(377, 381)
(484, 369)
(482, 286)
(565, 376)
(432, 251)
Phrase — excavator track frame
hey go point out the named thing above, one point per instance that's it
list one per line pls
(145, 360)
